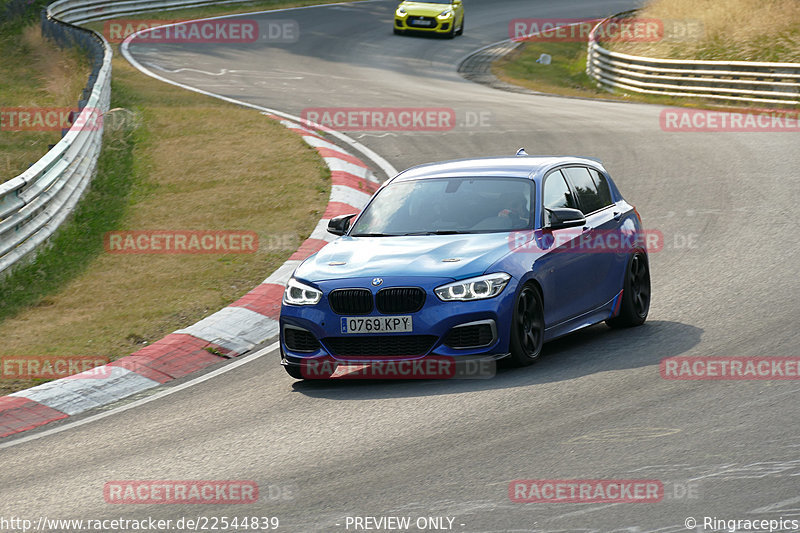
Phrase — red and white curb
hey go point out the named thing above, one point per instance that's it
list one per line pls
(230, 332)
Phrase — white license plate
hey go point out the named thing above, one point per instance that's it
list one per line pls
(422, 23)
(376, 324)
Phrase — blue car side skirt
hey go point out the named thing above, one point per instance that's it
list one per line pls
(608, 310)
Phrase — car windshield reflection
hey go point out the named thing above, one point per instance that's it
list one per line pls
(448, 206)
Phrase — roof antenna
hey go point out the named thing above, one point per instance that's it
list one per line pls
(522, 151)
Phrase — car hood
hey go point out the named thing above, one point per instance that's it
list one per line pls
(421, 9)
(426, 255)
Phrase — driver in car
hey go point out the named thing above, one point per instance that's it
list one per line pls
(516, 212)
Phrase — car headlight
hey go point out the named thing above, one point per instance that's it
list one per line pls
(478, 288)
(401, 11)
(446, 13)
(297, 293)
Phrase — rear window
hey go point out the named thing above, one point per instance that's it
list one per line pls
(603, 190)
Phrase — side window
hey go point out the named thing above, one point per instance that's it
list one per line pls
(602, 187)
(585, 188)
(556, 194)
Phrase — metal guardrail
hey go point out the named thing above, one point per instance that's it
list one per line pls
(737, 81)
(82, 11)
(35, 203)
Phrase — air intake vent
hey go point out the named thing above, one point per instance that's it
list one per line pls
(300, 340)
(470, 336)
(380, 345)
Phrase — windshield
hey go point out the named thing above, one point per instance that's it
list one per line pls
(433, 1)
(448, 205)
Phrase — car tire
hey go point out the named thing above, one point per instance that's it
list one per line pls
(635, 294)
(398, 32)
(452, 33)
(527, 327)
(461, 29)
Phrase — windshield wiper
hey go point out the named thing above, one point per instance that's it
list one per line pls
(373, 235)
(438, 232)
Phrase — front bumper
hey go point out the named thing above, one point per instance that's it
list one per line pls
(459, 330)
(424, 24)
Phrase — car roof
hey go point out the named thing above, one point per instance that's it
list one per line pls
(527, 166)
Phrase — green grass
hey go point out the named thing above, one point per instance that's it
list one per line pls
(80, 238)
(750, 30)
(725, 30)
(565, 74)
(34, 73)
(16, 14)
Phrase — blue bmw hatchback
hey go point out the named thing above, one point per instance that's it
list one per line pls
(475, 258)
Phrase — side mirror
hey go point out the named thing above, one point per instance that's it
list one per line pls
(339, 225)
(565, 217)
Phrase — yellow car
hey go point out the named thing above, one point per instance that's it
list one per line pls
(442, 17)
